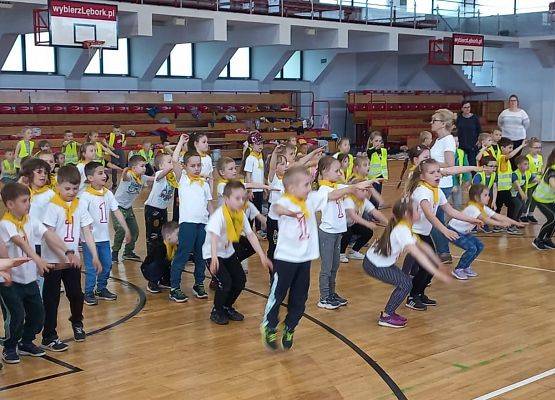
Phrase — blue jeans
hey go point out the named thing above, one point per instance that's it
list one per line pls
(105, 256)
(440, 241)
(191, 239)
(472, 247)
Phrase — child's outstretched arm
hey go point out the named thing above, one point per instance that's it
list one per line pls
(518, 149)
(426, 257)
(379, 216)
(465, 169)
(454, 213)
(431, 216)
(177, 167)
(113, 166)
(353, 216)
(339, 193)
(272, 164)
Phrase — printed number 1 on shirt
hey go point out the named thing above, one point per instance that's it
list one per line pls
(69, 231)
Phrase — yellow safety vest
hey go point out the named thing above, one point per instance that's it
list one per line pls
(147, 156)
(112, 139)
(496, 151)
(70, 153)
(25, 151)
(483, 178)
(505, 179)
(8, 170)
(378, 165)
(99, 153)
(544, 193)
(536, 167)
(522, 181)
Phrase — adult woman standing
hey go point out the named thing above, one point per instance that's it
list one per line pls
(514, 122)
(443, 151)
(468, 129)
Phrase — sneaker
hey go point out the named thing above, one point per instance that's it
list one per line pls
(446, 258)
(415, 304)
(262, 235)
(532, 219)
(132, 257)
(178, 296)
(115, 257)
(342, 301)
(497, 229)
(524, 218)
(164, 285)
(343, 258)
(400, 317)
(199, 292)
(10, 356)
(233, 314)
(219, 317)
(90, 299)
(459, 274)
(539, 244)
(513, 230)
(55, 345)
(105, 294)
(79, 334)
(329, 303)
(287, 338)
(30, 349)
(391, 321)
(269, 337)
(153, 287)
(486, 229)
(355, 255)
(549, 244)
(470, 272)
(427, 301)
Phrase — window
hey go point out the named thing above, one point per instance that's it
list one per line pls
(239, 66)
(179, 62)
(25, 56)
(292, 68)
(110, 62)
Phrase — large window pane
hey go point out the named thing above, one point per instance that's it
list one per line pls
(239, 65)
(38, 58)
(181, 60)
(116, 62)
(14, 62)
(292, 68)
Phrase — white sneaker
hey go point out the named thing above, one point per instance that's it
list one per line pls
(355, 255)
(470, 272)
(343, 258)
(459, 274)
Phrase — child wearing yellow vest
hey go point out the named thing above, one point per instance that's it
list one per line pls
(544, 196)
(521, 180)
(535, 160)
(461, 182)
(24, 147)
(9, 172)
(344, 147)
(70, 148)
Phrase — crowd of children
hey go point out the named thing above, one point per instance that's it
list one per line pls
(55, 201)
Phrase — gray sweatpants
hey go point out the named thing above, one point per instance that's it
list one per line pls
(330, 245)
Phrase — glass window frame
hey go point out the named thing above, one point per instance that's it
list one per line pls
(24, 70)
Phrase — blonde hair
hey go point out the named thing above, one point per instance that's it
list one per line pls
(423, 135)
(372, 136)
(446, 116)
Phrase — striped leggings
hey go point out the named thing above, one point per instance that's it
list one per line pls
(547, 230)
(393, 276)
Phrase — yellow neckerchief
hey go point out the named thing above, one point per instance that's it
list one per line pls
(434, 189)
(404, 222)
(479, 206)
(19, 223)
(171, 249)
(325, 182)
(358, 177)
(196, 178)
(41, 190)
(233, 223)
(136, 177)
(202, 153)
(53, 181)
(359, 204)
(96, 192)
(503, 164)
(412, 168)
(301, 203)
(172, 180)
(68, 208)
(258, 156)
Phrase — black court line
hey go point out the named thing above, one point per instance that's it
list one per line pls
(72, 369)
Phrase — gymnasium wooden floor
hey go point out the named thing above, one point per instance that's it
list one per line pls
(486, 334)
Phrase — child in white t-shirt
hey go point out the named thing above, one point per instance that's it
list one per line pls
(69, 220)
(200, 142)
(477, 208)
(381, 257)
(87, 153)
(253, 167)
(99, 202)
(195, 206)
(223, 231)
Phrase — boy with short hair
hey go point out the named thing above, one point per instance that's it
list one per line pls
(69, 219)
(9, 172)
(157, 264)
(488, 178)
(22, 305)
(44, 145)
(70, 148)
(148, 154)
(521, 179)
(133, 180)
(99, 202)
(505, 175)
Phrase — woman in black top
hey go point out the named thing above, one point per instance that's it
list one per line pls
(468, 129)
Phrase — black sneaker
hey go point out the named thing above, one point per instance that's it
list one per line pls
(90, 299)
(199, 292)
(178, 296)
(79, 334)
(416, 304)
(10, 356)
(524, 218)
(30, 349)
(342, 301)
(105, 294)
(287, 338)
(153, 287)
(164, 285)
(233, 314)
(55, 345)
(532, 219)
(132, 257)
(513, 230)
(427, 301)
(269, 338)
(329, 303)
(539, 244)
(549, 244)
(115, 257)
(219, 317)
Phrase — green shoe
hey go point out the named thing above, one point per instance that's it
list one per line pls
(287, 338)
(269, 338)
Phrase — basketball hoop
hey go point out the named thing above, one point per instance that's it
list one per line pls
(92, 45)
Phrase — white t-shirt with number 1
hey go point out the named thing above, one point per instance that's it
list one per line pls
(99, 208)
(334, 218)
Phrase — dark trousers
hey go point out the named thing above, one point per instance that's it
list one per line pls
(23, 312)
(530, 205)
(243, 249)
(547, 229)
(175, 214)
(295, 279)
(362, 233)
(517, 207)
(392, 276)
(471, 155)
(191, 239)
(155, 218)
(258, 198)
(504, 199)
(230, 280)
(120, 162)
(378, 187)
(51, 299)
(421, 277)
(272, 235)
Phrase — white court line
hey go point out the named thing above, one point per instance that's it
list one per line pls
(517, 385)
(512, 265)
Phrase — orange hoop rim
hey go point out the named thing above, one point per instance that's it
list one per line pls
(87, 44)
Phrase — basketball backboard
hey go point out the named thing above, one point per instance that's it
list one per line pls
(467, 49)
